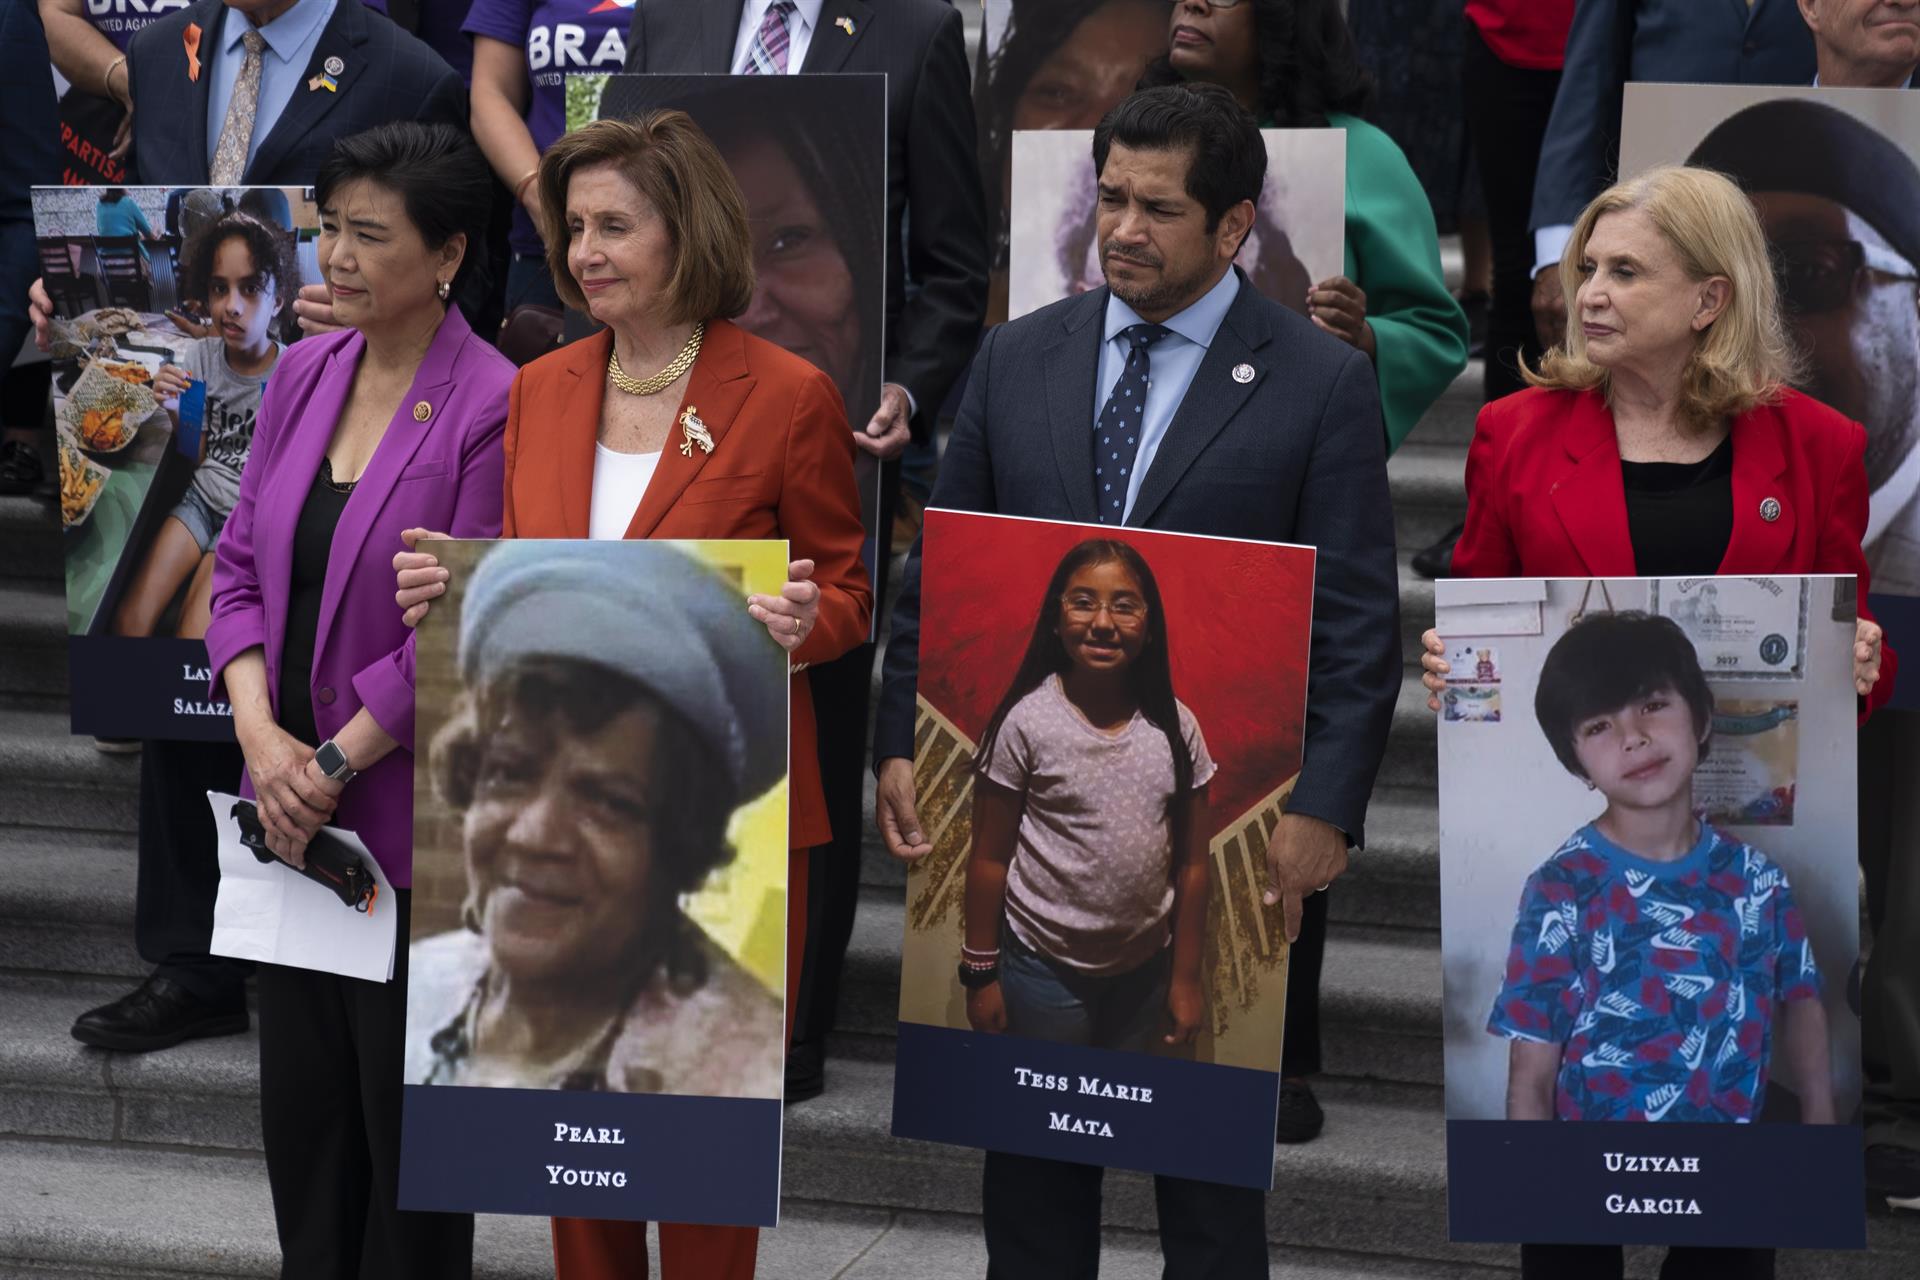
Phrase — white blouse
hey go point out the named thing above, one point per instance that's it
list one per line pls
(619, 482)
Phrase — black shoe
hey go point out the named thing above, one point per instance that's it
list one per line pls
(806, 1072)
(20, 468)
(1437, 560)
(1893, 1177)
(1300, 1118)
(157, 1014)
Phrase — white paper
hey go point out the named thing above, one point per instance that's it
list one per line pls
(268, 911)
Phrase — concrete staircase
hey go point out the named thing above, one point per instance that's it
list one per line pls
(121, 1166)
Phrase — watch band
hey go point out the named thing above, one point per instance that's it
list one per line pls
(333, 762)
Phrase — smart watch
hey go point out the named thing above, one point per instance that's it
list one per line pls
(333, 762)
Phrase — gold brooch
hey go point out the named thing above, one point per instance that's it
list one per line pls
(696, 432)
(422, 411)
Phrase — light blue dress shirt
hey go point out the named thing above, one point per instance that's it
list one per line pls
(1173, 361)
(291, 38)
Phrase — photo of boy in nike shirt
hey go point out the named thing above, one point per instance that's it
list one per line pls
(1655, 961)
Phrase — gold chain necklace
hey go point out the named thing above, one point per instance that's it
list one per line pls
(666, 377)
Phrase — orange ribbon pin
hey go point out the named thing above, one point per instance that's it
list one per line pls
(192, 43)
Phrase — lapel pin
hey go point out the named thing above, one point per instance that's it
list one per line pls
(323, 82)
(1770, 509)
(422, 411)
(334, 66)
(191, 41)
(1243, 373)
(845, 24)
(695, 432)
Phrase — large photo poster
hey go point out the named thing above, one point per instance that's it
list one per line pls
(1835, 174)
(1650, 953)
(810, 155)
(1110, 723)
(596, 981)
(171, 308)
(1299, 229)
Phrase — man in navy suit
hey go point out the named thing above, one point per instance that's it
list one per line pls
(329, 68)
(1256, 425)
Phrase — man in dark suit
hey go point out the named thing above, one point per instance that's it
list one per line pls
(355, 71)
(1256, 425)
(936, 299)
(1612, 42)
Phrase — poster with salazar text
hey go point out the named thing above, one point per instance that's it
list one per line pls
(595, 984)
(1109, 725)
(171, 306)
(1650, 963)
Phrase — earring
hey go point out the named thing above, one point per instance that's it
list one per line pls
(446, 287)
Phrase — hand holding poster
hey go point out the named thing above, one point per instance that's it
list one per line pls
(600, 879)
(1648, 999)
(1110, 723)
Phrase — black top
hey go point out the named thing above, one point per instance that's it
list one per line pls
(312, 544)
(1680, 514)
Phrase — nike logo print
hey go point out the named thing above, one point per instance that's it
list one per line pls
(1661, 1101)
(1667, 913)
(1676, 940)
(1689, 986)
(1602, 949)
(1638, 882)
(1729, 1050)
(1606, 1056)
(1615, 1005)
(1694, 1048)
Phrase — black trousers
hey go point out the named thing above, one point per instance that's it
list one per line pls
(179, 866)
(1506, 110)
(842, 690)
(1043, 1223)
(331, 1050)
(1608, 1262)
(1300, 1049)
(1890, 997)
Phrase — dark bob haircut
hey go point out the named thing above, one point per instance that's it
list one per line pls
(271, 249)
(1226, 159)
(442, 180)
(1308, 64)
(1607, 660)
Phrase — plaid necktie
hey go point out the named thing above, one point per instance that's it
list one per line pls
(1117, 431)
(767, 55)
(236, 133)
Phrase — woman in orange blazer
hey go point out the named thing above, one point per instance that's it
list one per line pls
(1660, 440)
(732, 438)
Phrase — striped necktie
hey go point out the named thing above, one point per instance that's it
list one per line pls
(767, 55)
(236, 134)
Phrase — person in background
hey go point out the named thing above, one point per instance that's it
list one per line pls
(522, 50)
(1291, 63)
(115, 214)
(385, 425)
(1864, 44)
(936, 296)
(1510, 72)
(31, 157)
(1180, 168)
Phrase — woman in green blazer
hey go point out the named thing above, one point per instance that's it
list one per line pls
(1292, 64)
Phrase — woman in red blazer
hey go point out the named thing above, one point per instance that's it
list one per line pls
(732, 438)
(1661, 440)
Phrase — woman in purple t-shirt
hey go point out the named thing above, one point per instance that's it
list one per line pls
(1086, 901)
(522, 52)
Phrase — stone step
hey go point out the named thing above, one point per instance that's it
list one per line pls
(29, 537)
(66, 903)
(1379, 994)
(1450, 420)
(33, 638)
(1429, 489)
(54, 779)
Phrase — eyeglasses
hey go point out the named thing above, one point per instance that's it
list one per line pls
(1125, 612)
(1824, 275)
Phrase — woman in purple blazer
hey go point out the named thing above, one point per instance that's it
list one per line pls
(393, 423)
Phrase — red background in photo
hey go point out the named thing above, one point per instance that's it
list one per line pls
(1239, 616)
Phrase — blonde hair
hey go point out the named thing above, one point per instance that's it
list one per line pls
(1744, 357)
(666, 157)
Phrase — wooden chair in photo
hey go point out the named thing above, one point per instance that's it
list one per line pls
(71, 290)
(123, 269)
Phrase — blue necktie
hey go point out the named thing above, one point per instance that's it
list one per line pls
(1116, 435)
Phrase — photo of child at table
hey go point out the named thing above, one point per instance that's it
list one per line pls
(1655, 961)
(1087, 881)
(242, 273)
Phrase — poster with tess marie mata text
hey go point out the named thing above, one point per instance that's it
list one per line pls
(1650, 912)
(598, 963)
(171, 307)
(1109, 726)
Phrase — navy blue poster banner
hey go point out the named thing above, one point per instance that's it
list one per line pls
(1650, 912)
(147, 687)
(1089, 972)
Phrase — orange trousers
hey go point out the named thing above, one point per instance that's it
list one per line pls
(610, 1249)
